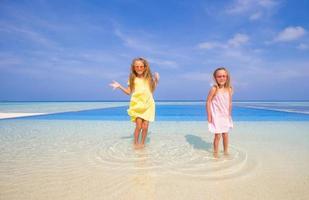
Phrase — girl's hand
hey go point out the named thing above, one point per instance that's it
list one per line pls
(156, 76)
(115, 85)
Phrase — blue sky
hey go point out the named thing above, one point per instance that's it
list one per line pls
(72, 50)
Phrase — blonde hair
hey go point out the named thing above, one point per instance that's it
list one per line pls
(228, 78)
(147, 74)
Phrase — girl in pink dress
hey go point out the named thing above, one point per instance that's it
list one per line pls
(219, 108)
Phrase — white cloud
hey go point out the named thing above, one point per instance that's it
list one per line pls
(238, 39)
(290, 34)
(254, 9)
(240, 55)
(28, 34)
(243, 6)
(210, 45)
(140, 42)
(164, 63)
(128, 41)
(303, 46)
(240, 6)
(267, 3)
(255, 16)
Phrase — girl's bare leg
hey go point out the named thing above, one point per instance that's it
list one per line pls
(144, 131)
(216, 143)
(225, 137)
(137, 130)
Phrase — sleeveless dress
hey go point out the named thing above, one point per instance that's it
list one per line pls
(219, 109)
(142, 104)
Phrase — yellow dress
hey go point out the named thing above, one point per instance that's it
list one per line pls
(142, 104)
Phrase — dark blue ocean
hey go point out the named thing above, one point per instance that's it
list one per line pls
(250, 111)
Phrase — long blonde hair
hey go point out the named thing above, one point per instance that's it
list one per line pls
(147, 74)
(227, 84)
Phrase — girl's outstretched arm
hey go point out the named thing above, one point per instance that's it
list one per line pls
(117, 85)
(211, 94)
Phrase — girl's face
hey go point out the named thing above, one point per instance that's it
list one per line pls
(139, 67)
(221, 77)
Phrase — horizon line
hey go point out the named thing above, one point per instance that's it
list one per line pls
(159, 100)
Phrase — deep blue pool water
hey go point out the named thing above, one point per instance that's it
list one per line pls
(174, 113)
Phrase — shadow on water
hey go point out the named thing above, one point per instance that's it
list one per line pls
(198, 143)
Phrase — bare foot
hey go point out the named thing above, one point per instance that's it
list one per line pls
(135, 145)
(138, 146)
(216, 155)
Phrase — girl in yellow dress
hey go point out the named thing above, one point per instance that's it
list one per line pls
(141, 85)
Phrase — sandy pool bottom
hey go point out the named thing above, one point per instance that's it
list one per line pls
(48, 159)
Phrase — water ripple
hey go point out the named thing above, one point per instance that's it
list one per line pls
(167, 155)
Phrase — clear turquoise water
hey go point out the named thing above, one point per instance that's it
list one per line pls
(165, 111)
(81, 147)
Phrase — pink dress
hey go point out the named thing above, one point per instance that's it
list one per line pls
(219, 109)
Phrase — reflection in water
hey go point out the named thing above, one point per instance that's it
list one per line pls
(143, 183)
